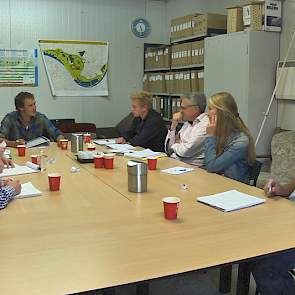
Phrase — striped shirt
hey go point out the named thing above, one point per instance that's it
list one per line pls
(6, 194)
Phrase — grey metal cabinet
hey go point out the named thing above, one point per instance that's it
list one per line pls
(244, 64)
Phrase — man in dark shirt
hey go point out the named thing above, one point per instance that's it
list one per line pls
(148, 129)
(26, 123)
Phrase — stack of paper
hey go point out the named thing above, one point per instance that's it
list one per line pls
(28, 190)
(120, 148)
(105, 141)
(39, 141)
(142, 154)
(177, 170)
(230, 201)
(17, 170)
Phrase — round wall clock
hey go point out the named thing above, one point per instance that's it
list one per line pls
(140, 27)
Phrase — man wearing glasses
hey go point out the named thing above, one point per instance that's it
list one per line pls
(188, 144)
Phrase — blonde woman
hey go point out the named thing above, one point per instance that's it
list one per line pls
(229, 148)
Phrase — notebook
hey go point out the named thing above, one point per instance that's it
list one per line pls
(28, 190)
(231, 200)
(40, 141)
(17, 170)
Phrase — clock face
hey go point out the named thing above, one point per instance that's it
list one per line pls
(141, 28)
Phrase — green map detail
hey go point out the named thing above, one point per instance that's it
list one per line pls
(74, 64)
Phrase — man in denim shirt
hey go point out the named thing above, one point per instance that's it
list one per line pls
(26, 123)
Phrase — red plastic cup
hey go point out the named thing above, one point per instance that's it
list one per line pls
(108, 161)
(64, 144)
(87, 137)
(171, 205)
(152, 163)
(98, 161)
(91, 147)
(35, 159)
(54, 181)
(21, 150)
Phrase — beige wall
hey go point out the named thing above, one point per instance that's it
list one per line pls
(23, 22)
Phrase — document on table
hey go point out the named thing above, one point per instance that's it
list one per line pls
(143, 154)
(39, 141)
(28, 190)
(17, 170)
(121, 148)
(105, 141)
(230, 201)
(177, 170)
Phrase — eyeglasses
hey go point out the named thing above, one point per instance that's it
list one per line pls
(186, 107)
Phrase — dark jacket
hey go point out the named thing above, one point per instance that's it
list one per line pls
(147, 133)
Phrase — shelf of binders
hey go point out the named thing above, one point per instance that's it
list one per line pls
(210, 33)
(157, 70)
(193, 66)
(167, 106)
(166, 94)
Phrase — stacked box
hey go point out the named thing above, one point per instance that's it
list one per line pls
(209, 21)
(145, 82)
(181, 55)
(263, 15)
(194, 82)
(186, 82)
(157, 57)
(182, 26)
(253, 16)
(197, 54)
(201, 81)
(235, 19)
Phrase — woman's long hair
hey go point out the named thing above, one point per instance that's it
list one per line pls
(229, 121)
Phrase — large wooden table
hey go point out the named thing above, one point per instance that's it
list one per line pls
(94, 234)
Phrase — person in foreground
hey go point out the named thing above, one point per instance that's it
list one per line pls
(9, 188)
(188, 144)
(229, 147)
(273, 274)
(26, 123)
(148, 129)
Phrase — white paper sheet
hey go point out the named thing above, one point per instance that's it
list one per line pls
(105, 141)
(177, 170)
(17, 170)
(142, 154)
(28, 190)
(231, 200)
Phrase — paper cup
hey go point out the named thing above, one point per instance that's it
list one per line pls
(54, 181)
(152, 163)
(108, 161)
(98, 161)
(64, 144)
(35, 159)
(21, 150)
(87, 137)
(91, 147)
(171, 205)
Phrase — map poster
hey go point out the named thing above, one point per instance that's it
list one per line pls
(76, 68)
(18, 67)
